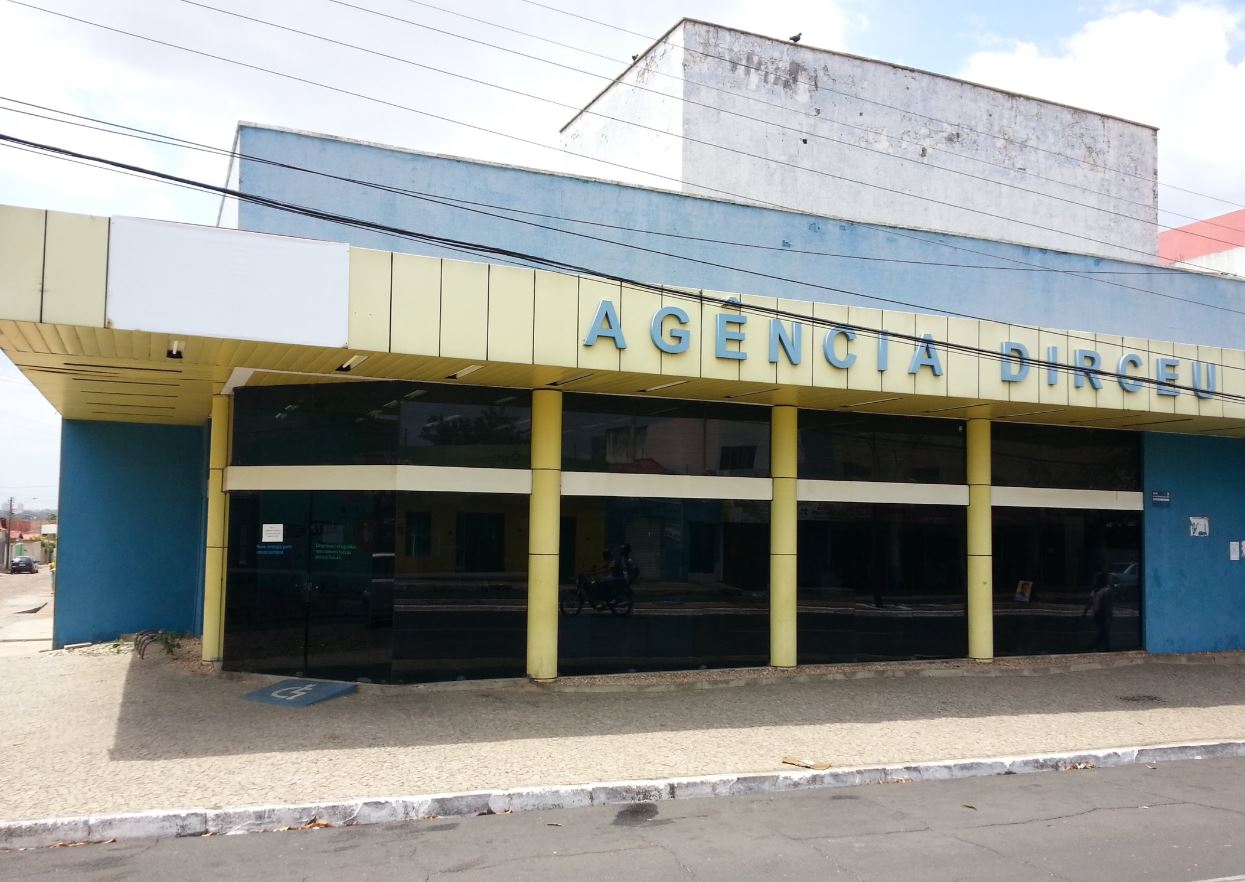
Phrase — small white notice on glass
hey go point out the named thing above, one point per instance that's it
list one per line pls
(273, 533)
(1234, 551)
(1199, 526)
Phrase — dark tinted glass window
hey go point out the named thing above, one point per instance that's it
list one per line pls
(881, 582)
(362, 423)
(1066, 580)
(1057, 456)
(868, 447)
(667, 584)
(664, 436)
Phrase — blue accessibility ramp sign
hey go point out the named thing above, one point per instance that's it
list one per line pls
(299, 693)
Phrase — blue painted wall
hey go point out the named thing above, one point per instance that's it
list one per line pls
(130, 549)
(1194, 595)
(1104, 298)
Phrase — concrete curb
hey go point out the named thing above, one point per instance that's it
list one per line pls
(162, 823)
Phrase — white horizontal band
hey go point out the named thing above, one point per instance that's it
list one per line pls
(1050, 497)
(881, 491)
(665, 486)
(436, 479)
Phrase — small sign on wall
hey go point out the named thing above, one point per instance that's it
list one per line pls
(1160, 497)
(272, 533)
(1234, 550)
(1199, 526)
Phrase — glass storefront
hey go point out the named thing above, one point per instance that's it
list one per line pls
(881, 582)
(1057, 456)
(1066, 580)
(871, 447)
(663, 584)
(663, 437)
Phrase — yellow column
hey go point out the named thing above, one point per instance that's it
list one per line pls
(217, 531)
(782, 532)
(543, 523)
(980, 544)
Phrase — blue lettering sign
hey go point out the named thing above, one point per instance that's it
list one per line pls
(926, 355)
(1015, 362)
(680, 337)
(791, 342)
(606, 324)
(1199, 390)
(1083, 362)
(849, 358)
(1166, 372)
(1121, 368)
(725, 335)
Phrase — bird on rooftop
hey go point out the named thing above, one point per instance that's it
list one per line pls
(796, 38)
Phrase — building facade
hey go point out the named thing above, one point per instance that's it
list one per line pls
(416, 417)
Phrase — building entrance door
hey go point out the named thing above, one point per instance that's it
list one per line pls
(310, 585)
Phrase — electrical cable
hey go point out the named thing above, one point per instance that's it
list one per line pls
(796, 81)
(517, 138)
(562, 266)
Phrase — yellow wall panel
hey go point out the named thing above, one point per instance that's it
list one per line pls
(604, 354)
(638, 307)
(712, 367)
(863, 374)
(1057, 392)
(1030, 388)
(370, 278)
(75, 269)
(1159, 403)
(825, 374)
(1084, 395)
(1233, 383)
(926, 382)
(799, 374)
(416, 305)
(896, 377)
(511, 311)
(1110, 348)
(556, 320)
(989, 374)
(21, 263)
(1186, 401)
(1211, 355)
(961, 366)
(464, 309)
(1139, 400)
(757, 368)
(686, 363)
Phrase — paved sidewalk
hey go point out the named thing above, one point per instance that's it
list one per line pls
(25, 613)
(105, 732)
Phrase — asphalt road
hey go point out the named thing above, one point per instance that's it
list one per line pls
(1177, 822)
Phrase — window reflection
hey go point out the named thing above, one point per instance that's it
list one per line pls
(871, 447)
(1059, 456)
(698, 574)
(661, 436)
(881, 582)
(1066, 580)
(363, 423)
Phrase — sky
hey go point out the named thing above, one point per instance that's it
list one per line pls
(1177, 65)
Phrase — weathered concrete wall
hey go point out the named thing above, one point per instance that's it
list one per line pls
(650, 94)
(885, 157)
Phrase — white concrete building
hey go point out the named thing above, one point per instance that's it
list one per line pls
(741, 116)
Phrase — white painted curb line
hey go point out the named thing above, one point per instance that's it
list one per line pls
(162, 823)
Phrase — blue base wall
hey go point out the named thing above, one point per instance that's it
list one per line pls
(1194, 594)
(130, 550)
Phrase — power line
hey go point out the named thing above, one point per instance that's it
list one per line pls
(531, 142)
(729, 303)
(797, 81)
(173, 141)
(1072, 335)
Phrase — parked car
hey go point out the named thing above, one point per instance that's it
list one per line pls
(1125, 578)
(23, 565)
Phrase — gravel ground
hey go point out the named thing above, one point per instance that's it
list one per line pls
(102, 730)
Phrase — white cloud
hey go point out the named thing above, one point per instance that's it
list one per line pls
(1171, 69)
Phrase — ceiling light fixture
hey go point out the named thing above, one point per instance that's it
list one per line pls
(175, 349)
(351, 363)
(569, 380)
(469, 369)
(664, 385)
